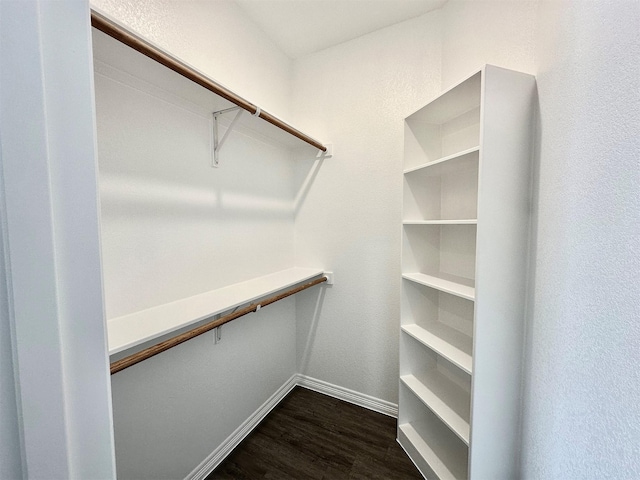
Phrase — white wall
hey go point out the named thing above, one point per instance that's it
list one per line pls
(356, 96)
(581, 415)
(172, 227)
(476, 32)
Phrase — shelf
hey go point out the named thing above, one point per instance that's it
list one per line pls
(445, 463)
(446, 349)
(441, 161)
(449, 402)
(451, 103)
(454, 285)
(122, 63)
(446, 189)
(471, 221)
(446, 251)
(137, 328)
(446, 127)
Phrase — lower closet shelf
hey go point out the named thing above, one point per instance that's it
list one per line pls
(137, 328)
(449, 402)
(427, 447)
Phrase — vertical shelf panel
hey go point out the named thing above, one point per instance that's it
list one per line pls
(503, 231)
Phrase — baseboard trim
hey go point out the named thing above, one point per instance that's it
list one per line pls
(351, 396)
(216, 457)
(209, 464)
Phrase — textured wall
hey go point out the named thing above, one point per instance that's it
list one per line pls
(581, 416)
(172, 226)
(356, 96)
(476, 32)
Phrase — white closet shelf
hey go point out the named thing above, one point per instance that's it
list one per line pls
(469, 221)
(439, 161)
(455, 286)
(116, 46)
(134, 329)
(429, 451)
(440, 346)
(448, 401)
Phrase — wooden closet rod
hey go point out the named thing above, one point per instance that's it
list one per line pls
(114, 30)
(183, 337)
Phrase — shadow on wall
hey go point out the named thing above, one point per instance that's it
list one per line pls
(305, 176)
(308, 314)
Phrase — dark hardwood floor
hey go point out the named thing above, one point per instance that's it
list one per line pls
(313, 436)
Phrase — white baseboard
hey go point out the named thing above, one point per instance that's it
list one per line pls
(209, 464)
(216, 457)
(350, 396)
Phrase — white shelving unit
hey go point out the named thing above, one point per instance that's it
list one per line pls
(464, 250)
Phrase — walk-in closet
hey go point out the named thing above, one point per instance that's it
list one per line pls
(319, 239)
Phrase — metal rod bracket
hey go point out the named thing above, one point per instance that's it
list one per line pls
(217, 141)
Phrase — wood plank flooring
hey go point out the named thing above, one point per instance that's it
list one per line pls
(313, 436)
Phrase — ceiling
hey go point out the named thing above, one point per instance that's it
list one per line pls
(301, 27)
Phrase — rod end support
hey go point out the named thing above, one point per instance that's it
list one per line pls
(330, 278)
(328, 153)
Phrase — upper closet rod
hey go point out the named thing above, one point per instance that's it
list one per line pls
(114, 30)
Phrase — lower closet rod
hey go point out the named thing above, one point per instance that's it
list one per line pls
(183, 337)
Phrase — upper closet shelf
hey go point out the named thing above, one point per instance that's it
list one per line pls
(138, 328)
(119, 48)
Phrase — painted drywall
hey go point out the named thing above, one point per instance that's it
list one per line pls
(498, 32)
(173, 227)
(581, 415)
(51, 241)
(356, 96)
